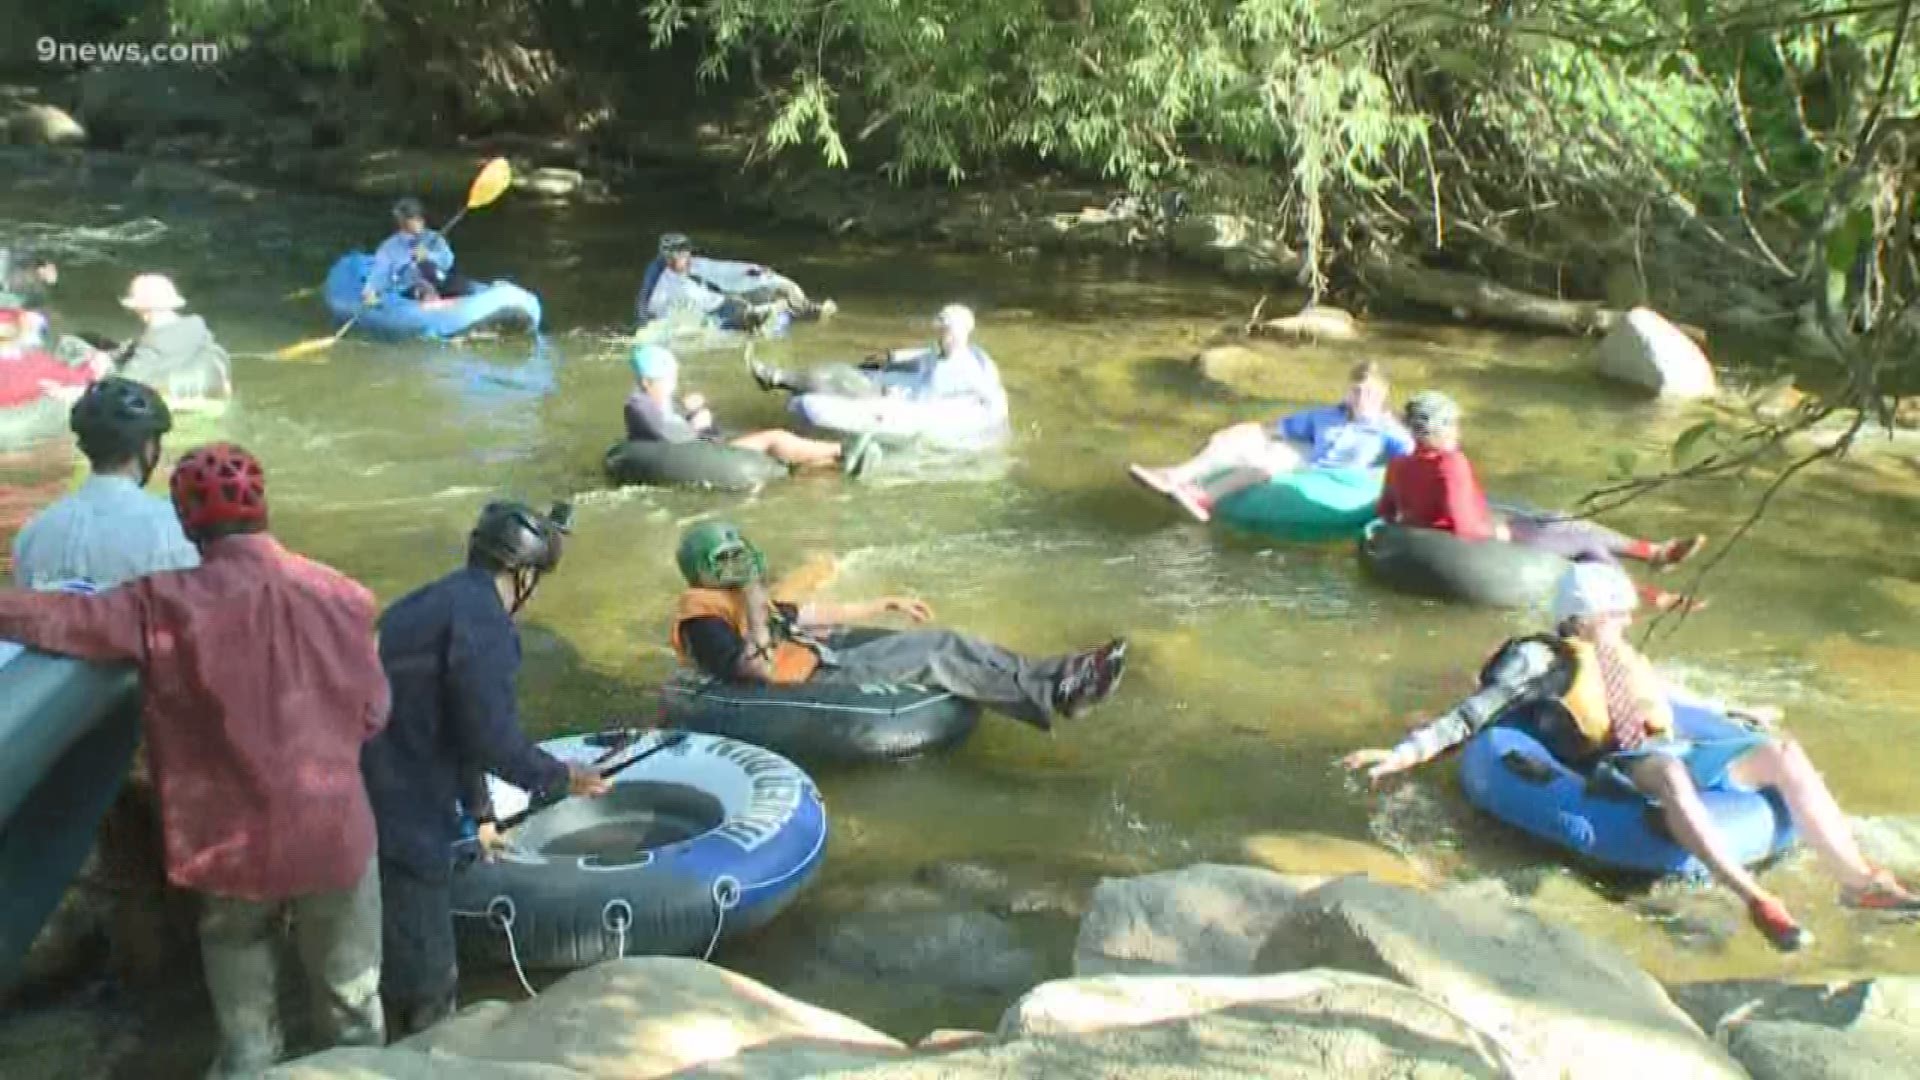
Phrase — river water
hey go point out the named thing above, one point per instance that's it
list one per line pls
(1254, 666)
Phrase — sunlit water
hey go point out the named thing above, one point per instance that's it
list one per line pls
(1254, 665)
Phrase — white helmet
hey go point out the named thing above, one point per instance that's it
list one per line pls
(957, 318)
(1590, 589)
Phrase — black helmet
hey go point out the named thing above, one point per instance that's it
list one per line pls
(512, 536)
(673, 242)
(116, 416)
(408, 207)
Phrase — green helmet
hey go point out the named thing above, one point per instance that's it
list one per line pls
(714, 555)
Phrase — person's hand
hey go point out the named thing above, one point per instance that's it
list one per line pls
(693, 403)
(912, 607)
(1377, 764)
(585, 782)
(368, 297)
(701, 420)
(421, 253)
(100, 364)
(61, 392)
(490, 841)
(1502, 533)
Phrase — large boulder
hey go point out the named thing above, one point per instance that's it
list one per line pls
(129, 105)
(32, 123)
(1561, 1004)
(1648, 351)
(1781, 1031)
(1207, 919)
(967, 951)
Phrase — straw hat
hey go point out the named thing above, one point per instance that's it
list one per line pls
(153, 292)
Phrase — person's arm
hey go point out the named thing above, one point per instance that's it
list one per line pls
(1388, 509)
(1297, 426)
(1397, 439)
(437, 251)
(476, 798)
(1517, 673)
(106, 626)
(388, 258)
(1465, 504)
(822, 614)
(483, 716)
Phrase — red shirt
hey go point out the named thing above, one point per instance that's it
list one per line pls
(21, 375)
(1436, 489)
(261, 682)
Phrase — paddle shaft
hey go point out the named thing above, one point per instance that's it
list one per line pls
(514, 820)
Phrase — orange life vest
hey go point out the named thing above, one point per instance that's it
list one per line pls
(793, 662)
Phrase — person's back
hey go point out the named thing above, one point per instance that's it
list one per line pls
(1434, 487)
(181, 359)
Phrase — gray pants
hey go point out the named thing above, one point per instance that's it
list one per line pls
(337, 936)
(420, 968)
(1568, 537)
(967, 666)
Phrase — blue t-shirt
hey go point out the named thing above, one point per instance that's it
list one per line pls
(1338, 441)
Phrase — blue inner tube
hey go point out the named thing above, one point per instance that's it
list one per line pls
(699, 843)
(1507, 773)
(501, 303)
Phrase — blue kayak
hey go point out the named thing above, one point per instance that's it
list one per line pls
(1507, 773)
(501, 303)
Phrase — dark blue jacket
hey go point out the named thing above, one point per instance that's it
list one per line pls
(451, 654)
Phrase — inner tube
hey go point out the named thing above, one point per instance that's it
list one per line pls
(822, 723)
(1308, 505)
(699, 463)
(949, 424)
(699, 843)
(1509, 775)
(501, 303)
(1427, 562)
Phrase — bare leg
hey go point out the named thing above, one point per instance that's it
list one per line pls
(790, 448)
(1241, 444)
(1666, 779)
(1783, 765)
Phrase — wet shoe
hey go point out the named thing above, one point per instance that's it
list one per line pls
(858, 457)
(1091, 678)
(1884, 893)
(1772, 919)
(1153, 480)
(1674, 552)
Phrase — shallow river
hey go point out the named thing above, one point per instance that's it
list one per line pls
(1254, 666)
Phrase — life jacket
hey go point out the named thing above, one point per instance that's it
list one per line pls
(793, 661)
(1574, 722)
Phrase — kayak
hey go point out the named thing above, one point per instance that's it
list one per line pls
(696, 844)
(500, 304)
(1306, 505)
(1506, 773)
(1427, 562)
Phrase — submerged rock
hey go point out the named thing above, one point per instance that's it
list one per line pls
(1648, 351)
(1783, 1031)
(951, 950)
(35, 124)
(1206, 919)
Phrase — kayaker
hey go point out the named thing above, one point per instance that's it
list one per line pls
(452, 656)
(732, 625)
(415, 262)
(732, 293)
(110, 530)
(953, 369)
(29, 373)
(1358, 433)
(175, 354)
(260, 683)
(1435, 488)
(1600, 707)
(654, 415)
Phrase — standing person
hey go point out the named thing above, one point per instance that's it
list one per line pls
(175, 354)
(1358, 433)
(1600, 706)
(261, 683)
(451, 654)
(731, 293)
(653, 414)
(1435, 488)
(415, 262)
(110, 530)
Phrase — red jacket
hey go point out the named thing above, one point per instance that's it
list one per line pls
(1436, 489)
(21, 375)
(261, 682)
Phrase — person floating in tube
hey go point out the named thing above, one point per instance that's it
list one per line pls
(451, 654)
(952, 370)
(1600, 707)
(735, 294)
(731, 625)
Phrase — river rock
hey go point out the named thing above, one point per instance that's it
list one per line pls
(951, 950)
(1208, 237)
(1316, 323)
(1243, 369)
(551, 183)
(1782, 1031)
(32, 123)
(1648, 351)
(1561, 1004)
(130, 104)
(1207, 919)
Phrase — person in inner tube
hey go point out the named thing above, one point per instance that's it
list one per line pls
(1435, 488)
(679, 280)
(415, 262)
(952, 370)
(1599, 706)
(653, 415)
(451, 654)
(733, 625)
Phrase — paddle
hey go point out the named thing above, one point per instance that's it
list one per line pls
(494, 178)
(672, 740)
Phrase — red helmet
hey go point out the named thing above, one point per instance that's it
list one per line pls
(217, 485)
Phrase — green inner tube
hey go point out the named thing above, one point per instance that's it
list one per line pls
(1307, 505)
(700, 464)
(1427, 562)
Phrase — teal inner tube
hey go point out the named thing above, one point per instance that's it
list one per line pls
(696, 464)
(1306, 505)
(1427, 562)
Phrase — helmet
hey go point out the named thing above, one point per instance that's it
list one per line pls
(408, 208)
(220, 484)
(116, 416)
(713, 554)
(955, 317)
(1590, 589)
(1431, 411)
(673, 242)
(652, 361)
(513, 536)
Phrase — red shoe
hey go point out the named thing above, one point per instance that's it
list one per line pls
(1883, 892)
(1674, 552)
(1772, 919)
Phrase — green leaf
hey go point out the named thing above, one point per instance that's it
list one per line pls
(1691, 437)
(1843, 246)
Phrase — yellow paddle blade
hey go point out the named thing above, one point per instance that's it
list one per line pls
(494, 178)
